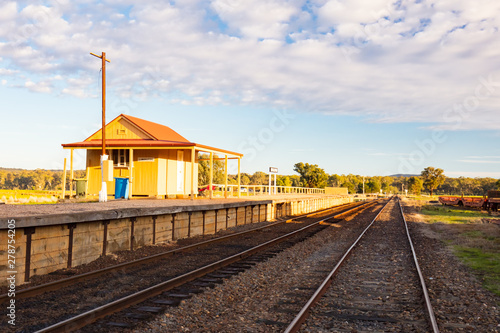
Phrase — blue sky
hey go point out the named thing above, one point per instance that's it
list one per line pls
(363, 87)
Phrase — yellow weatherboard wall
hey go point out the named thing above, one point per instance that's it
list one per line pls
(154, 172)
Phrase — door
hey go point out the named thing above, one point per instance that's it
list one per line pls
(162, 176)
(180, 171)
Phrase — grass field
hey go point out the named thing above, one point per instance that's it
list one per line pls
(475, 243)
(447, 214)
(28, 197)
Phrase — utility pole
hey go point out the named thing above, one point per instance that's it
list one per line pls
(103, 194)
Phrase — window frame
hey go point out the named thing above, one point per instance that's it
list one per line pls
(119, 155)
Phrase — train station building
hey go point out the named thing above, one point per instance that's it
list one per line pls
(156, 160)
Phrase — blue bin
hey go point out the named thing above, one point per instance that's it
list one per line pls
(121, 188)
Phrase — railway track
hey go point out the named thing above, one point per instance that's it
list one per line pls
(377, 285)
(115, 284)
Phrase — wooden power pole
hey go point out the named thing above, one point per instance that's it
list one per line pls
(103, 194)
(103, 58)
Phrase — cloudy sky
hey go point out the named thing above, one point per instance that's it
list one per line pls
(366, 87)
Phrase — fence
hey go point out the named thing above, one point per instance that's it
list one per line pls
(259, 189)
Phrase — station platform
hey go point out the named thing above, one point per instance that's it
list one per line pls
(38, 215)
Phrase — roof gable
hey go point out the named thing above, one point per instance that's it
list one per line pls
(159, 132)
(128, 127)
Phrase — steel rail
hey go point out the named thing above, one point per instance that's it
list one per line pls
(304, 312)
(55, 285)
(91, 316)
(428, 305)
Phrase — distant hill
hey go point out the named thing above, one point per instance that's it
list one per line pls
(14, 170)
(11, 169)
(403, 175)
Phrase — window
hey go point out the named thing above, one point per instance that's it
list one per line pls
(120, 157)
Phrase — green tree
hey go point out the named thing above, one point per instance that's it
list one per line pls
(486, 184)
(204, 170)
(373, 185)
(433, 177)
(359, 187)
(311, 175)
(391, 189)
(386, 183)
(57, 181)
(465, 185)
(450, 186)
(245, 180)
(9, 181)
(259, 178)
(335, 180)
(283, 181)
(351, 188)
(399, 183)
(295, 179)
(415, 185)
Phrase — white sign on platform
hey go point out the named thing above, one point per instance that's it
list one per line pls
(272, 189)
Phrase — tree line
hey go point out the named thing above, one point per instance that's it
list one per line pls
(431, 180)
(39, 179)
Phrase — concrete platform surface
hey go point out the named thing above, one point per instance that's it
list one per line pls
(79, 211)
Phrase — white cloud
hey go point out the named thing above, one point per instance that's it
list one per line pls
(77, 92)
(258, 18)
(4, 71)
(339, 12)
(41, 86)
(391, 63)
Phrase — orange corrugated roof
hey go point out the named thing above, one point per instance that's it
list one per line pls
(159, 132)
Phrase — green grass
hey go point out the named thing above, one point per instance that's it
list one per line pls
(473, 234)
(446, 214)
(486, 265)
(477, 245)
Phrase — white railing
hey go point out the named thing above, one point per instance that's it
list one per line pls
(247, 190)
